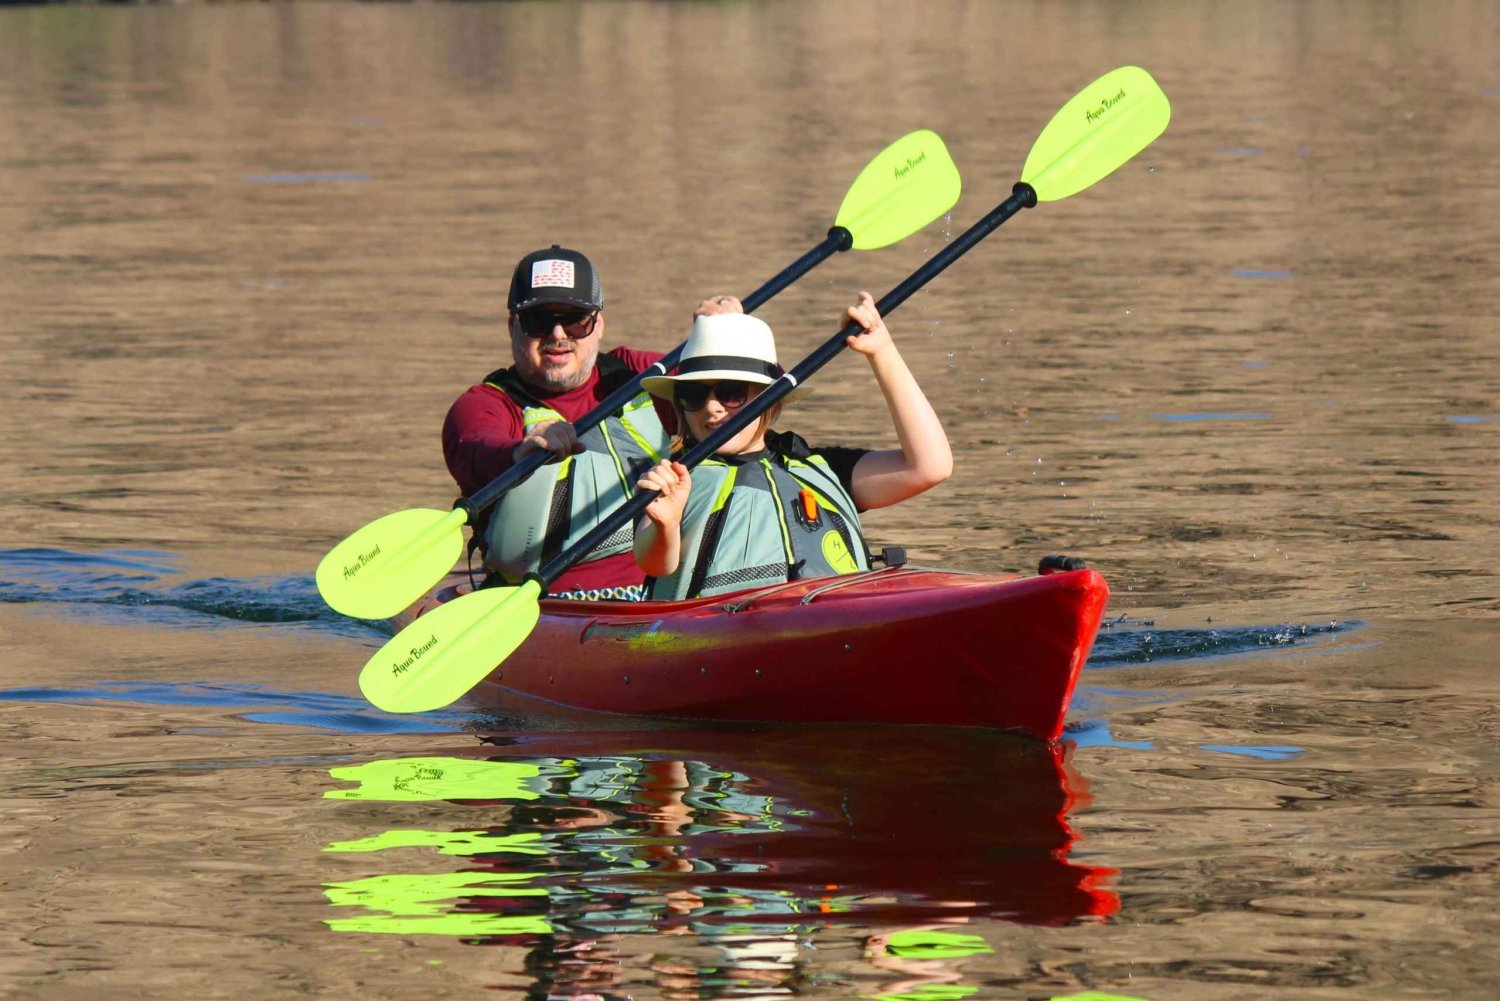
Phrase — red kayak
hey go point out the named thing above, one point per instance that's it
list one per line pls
(895, 645)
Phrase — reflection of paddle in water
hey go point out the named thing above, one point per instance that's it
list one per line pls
(730, 831)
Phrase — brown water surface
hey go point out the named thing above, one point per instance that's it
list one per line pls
(251, 253)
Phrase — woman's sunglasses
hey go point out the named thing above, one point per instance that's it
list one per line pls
(731, 394)
(539, 322)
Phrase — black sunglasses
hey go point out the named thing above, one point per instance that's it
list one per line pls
(731, 394)
(575, 323)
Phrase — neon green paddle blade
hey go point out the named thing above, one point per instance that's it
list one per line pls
(931, 992)
(928, 944)
(1096, 133)
(391, 562)
(461, 924)
(437, 659)
(434, 904)
(462, 843)
(909, 184)
(425, 780)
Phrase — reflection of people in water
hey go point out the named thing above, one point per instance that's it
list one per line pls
(620, 819)
(924, 959)
(578, 969)
(752, 966)
(747, 856)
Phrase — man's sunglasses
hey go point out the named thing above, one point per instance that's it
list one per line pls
(731, 394)
(576, 324)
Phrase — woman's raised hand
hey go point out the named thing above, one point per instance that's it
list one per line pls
(672, 483)
(875, 337)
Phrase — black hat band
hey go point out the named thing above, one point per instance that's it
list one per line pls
(710, 363)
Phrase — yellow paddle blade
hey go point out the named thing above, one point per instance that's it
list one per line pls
(1097, 132)
(433, 904)
(461, 924)
(928, 944)
(909, 184)
(391, 562)
(462, 843)
(930, 992)
(437, 659)
(425, 780)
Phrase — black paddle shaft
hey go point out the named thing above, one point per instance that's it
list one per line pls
(838, 239)
(1022, 197)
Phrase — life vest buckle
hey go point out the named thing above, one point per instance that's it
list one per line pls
(807, 512)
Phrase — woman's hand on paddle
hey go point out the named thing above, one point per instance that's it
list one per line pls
(925, 459)
(716, 304)
(658, 532)
(672, 484)
(557, 437)
(876, 337)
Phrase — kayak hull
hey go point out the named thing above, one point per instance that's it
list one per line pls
(900, 645)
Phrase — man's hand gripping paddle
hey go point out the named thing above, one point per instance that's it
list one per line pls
(391, 562)
(440, 657)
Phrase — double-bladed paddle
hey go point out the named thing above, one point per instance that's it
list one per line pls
(445, 653)
(391, 562)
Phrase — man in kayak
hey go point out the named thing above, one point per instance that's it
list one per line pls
(556, 327)
(767, 507)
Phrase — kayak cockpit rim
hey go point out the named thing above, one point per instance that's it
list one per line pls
(834, 583)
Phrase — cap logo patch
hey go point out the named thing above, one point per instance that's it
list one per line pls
(552, 274)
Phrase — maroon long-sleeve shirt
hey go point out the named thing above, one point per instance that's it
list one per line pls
(484, 425)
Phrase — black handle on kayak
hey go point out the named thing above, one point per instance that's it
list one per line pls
(1022, 197)
(838, 239)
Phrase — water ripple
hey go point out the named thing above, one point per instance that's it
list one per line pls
(1122, 646)
(111, 581)
(257, 704)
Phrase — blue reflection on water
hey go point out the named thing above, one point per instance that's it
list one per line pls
(136, 585)
(1096, 733)
(315, 177)
(313, 710)
(1267, 752)
(1261, 273)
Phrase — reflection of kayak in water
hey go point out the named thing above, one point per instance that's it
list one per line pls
(897, 645)
(731, 847)
(789, 826)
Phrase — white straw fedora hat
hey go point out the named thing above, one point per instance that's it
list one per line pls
(724, 346)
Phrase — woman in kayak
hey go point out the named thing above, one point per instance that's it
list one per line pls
(767, 507)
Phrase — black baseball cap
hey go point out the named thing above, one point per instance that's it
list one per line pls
(556, 274)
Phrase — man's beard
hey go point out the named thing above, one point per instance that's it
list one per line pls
(554, 381)
(557, 382)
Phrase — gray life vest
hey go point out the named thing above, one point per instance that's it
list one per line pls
(776, 518)
(562, 501)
